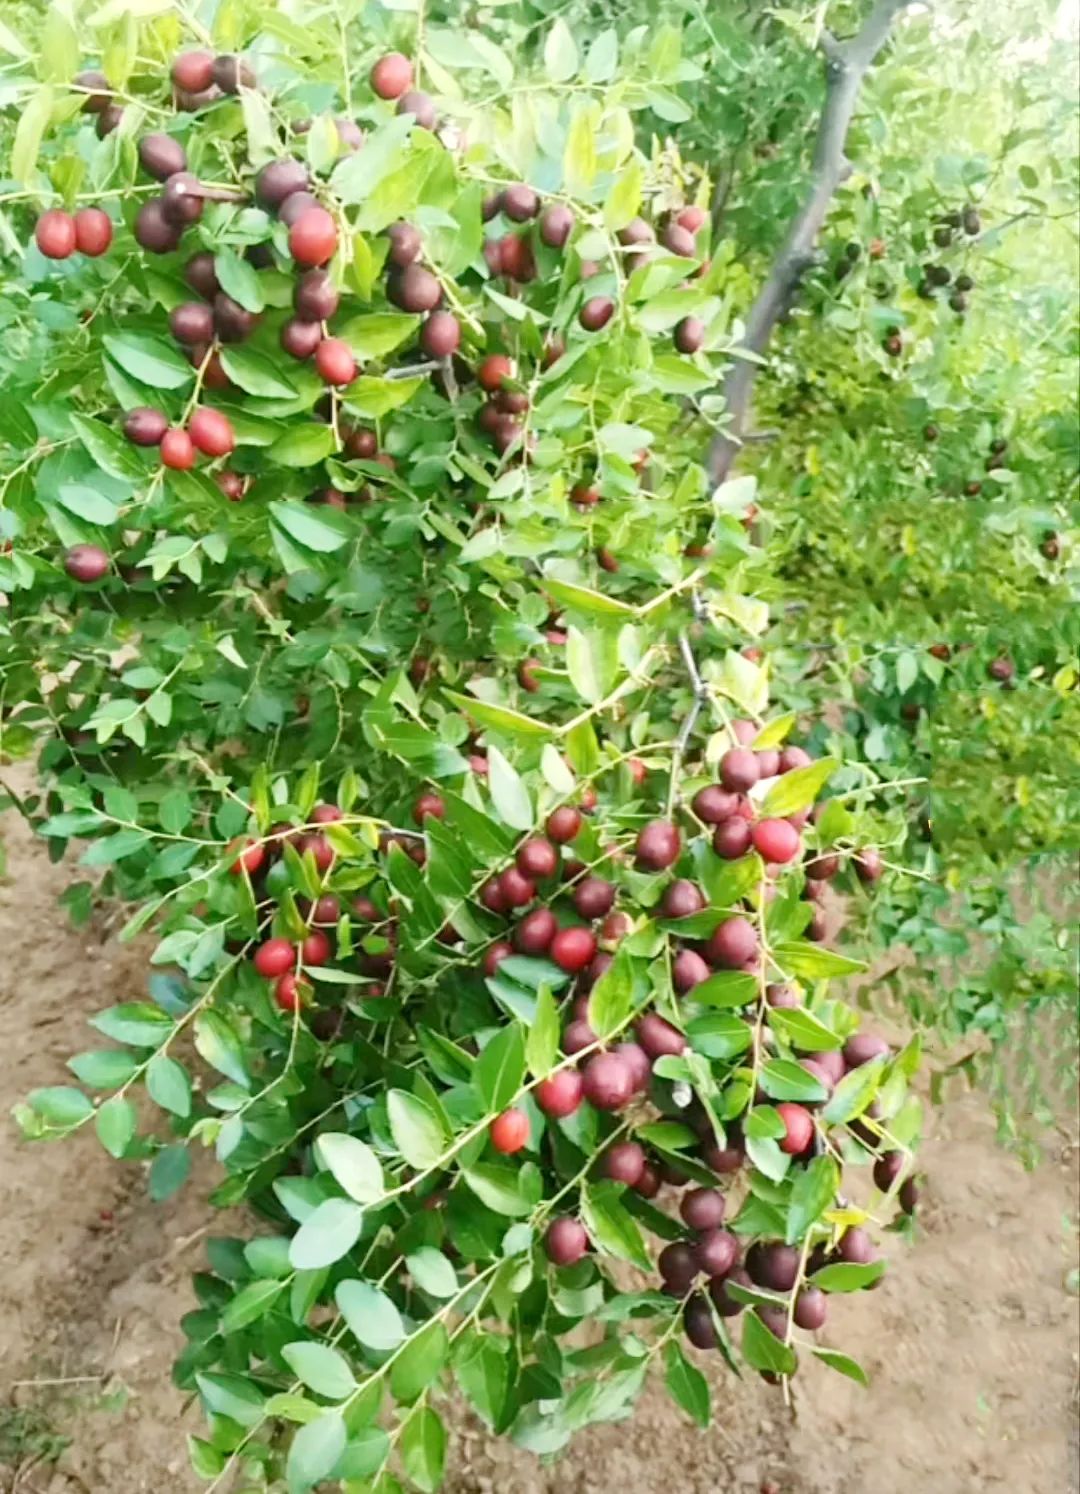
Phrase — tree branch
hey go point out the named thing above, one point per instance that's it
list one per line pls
(846, 64)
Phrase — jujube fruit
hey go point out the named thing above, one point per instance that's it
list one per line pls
(420, 105)
(295, 206)
(637, 231)
(798, 1127)
(596, 313)
(334, 361)
(275, 957)
(794, 757)
(145, 426)
(565, 1242)
(177, 449)
(153, 230)
(563, 824)
(698, 1323)
(561, 1094)
(682, 899)
(609, 1084)
(623, 1163)
(86, 563)
(726, 1304)
(193, 71)
(520, 202)
(678, 1265)
(391, 75)
(703, 1208)
(658, 1037)
(200, 274)
(811, 1309)
(572, 949)
(679, 240)
(732, 839)
(313, 237)
(93, 231)
(534, 933)
(160, 156)
(887, 1169)
(515, 889)
(689, 334)
(556, 225)
(99, 90)
(232, 322)
(493, 370)
(732, 943)
(54, 234)
(773, 1265)
(316, 948)
(577, 1036)
(776, 841)
(692, 218)
(429, 806)
(440, 336)
(299, 338)
(648, 1184)
(658, 845)
(231, 73)
(714, 804)
(688, 970)
(739, 769)
(278, 180)
(315, 298)
(862, 1047)
(211, 432)
(594, 897)
(717, 1251)
(495, 956)
(192, 322)
(415, 290)
(856, 1248)
(108, 120)
(509, 1131)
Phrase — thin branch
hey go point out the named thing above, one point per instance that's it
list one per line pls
(846, 64)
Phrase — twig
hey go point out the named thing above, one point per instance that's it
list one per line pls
(846, 64)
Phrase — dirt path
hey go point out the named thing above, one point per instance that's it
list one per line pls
(971, 1341)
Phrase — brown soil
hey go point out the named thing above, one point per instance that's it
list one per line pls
(971, 1341)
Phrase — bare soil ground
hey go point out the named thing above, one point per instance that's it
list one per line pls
(971, 1341)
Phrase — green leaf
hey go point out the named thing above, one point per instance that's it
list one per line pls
(322, 530)
(584, 600)
(374, 398)
(560, 52)
(417, 1131)
(168, 1085)
(219, 1045)
(420, 1362)
(500, 1068)
(423, 1449)
(60, 1105)
(33, 119)
(110, 451)
(848, 1278)
(854, 1093)
(612, 1228)
(811, 962)
(373, 1319)
(378, 333)
(843, 1364)
(612, 996)
(783, 1080)
(500, 718)
(579, 156)
(239, 279)
(583, 665)
(104, 1068)
(798, 789)
(352, 1164)
(728, 988)
(624, 197)
(302, 446)
(250, 1303)
(803, 1030)
(316, 1449)
(326, 1235)
(719, 1035)
(813, 1191)
(256, 373)
(320, 1368)
(480, 1365)
(686, 1384)
(542, 1042)
(169, 1171)
(508, 792)
(149, 360)
(764, 1352)
(497, 1185)
(432, 1272)
(87, 503)
(231, 1396)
